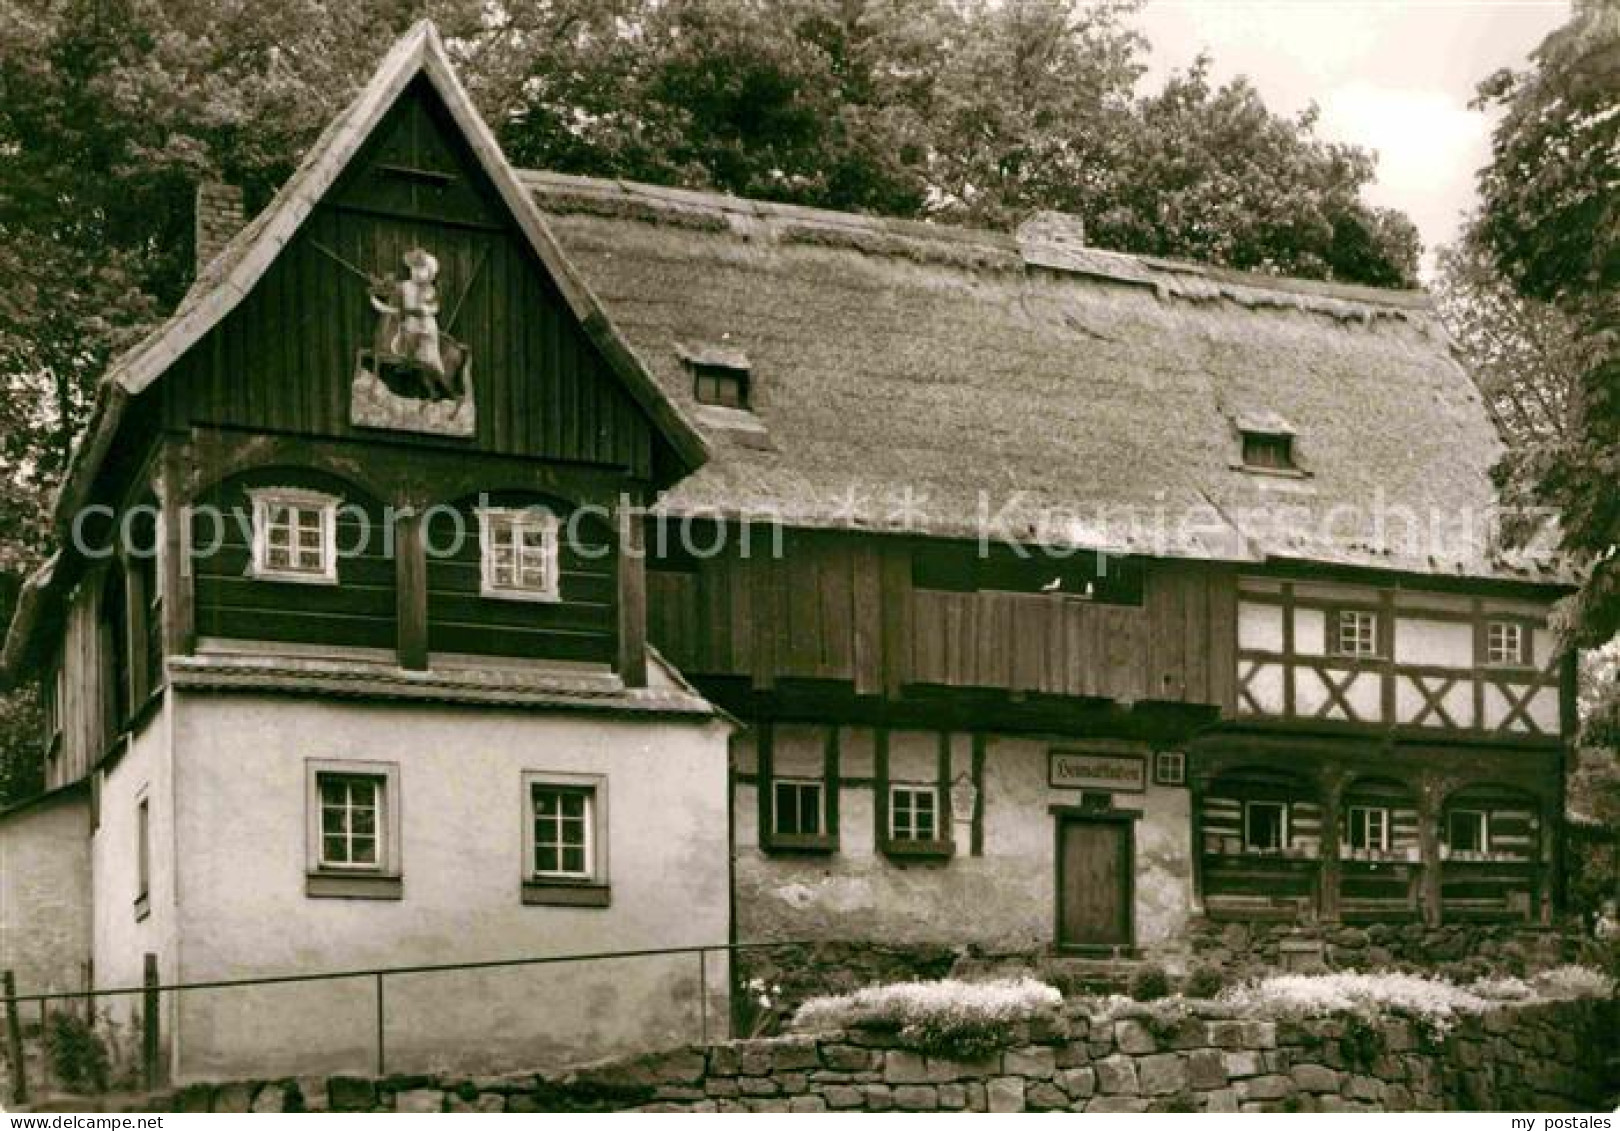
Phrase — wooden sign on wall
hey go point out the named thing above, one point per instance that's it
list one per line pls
(1081, 769)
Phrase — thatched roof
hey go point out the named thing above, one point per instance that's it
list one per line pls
(1057, 379)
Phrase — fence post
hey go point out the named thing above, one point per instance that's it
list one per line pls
(14, 1044)
(149, 1023)
(703, 996)
(44, 1049)
(380, 1069)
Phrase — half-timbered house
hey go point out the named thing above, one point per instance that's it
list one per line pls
(829, 577)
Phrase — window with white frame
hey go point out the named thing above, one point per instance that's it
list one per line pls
(1368, 828)
(1170, 767)
(1356, 633)
(353, 829)
(294, 535)
(1504, 643)
(1265, 826)
(564, 822)
(1468, 830)
(798, 807)
(518, 559)
(913, 812)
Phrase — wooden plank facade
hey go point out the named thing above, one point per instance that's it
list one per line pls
(848, 608)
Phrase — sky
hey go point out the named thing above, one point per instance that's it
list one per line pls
(1395, 76)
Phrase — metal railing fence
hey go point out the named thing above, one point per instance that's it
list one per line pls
(152, 989)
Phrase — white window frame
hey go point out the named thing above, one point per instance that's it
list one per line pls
(1482, 822)
(1364, 814)
(386, 775)
(914, 790)
(1282, 826)
(521, 519)
(1358, 618)
(820, 785)
(297, 499)
(594, 786)
(1169, 767)
(1495, 654)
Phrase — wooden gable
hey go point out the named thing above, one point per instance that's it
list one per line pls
(284, 358)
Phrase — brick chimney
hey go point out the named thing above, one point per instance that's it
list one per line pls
(219, 217)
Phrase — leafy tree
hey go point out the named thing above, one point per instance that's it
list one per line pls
(1551, 222)
(1550, 225)
(1522, 353)
(1212, 174)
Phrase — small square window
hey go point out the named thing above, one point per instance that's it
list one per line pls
(564, 831)
(798, 807)
(720, 385)
(351, 821)
(1369, 828)
(1504, 643)
(1170, 767)
(1467, 830)
(1268, 451)
(1265, 826)
(354, 849)
(1356, 633)
(913, 812)
(294, 535)
(519, 554)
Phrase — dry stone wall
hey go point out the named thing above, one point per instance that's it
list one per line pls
(1547, 1057)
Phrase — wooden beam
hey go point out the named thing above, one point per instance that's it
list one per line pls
(411, 597)
(1330, 787)
(1429, 790)
(632, 598)
(179, 607)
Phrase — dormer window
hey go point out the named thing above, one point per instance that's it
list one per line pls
(719, 385)
(294, 535)
(518, 554)
(1271, 453)
(1268, 443)
(720, 375)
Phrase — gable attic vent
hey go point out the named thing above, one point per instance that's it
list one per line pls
(219, 217)
(1268, 443)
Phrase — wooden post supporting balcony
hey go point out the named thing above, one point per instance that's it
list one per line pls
(1330, 787)
(632, 598)
(1429, 792)
(410, 573)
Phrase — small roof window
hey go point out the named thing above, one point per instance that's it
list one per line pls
(1268, 442)
(720, 375)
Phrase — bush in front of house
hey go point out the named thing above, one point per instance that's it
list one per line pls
(945, 1018)
(1150, 983)
(1205, 983)
(1435, 1003)
(77, 1054)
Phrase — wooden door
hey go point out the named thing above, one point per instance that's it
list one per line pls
(1094, 882)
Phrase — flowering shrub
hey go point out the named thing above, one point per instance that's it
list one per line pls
(1574, 981)
(1503, 989)
(947, 1017)
(1434, 1002)
(1431, 1000)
